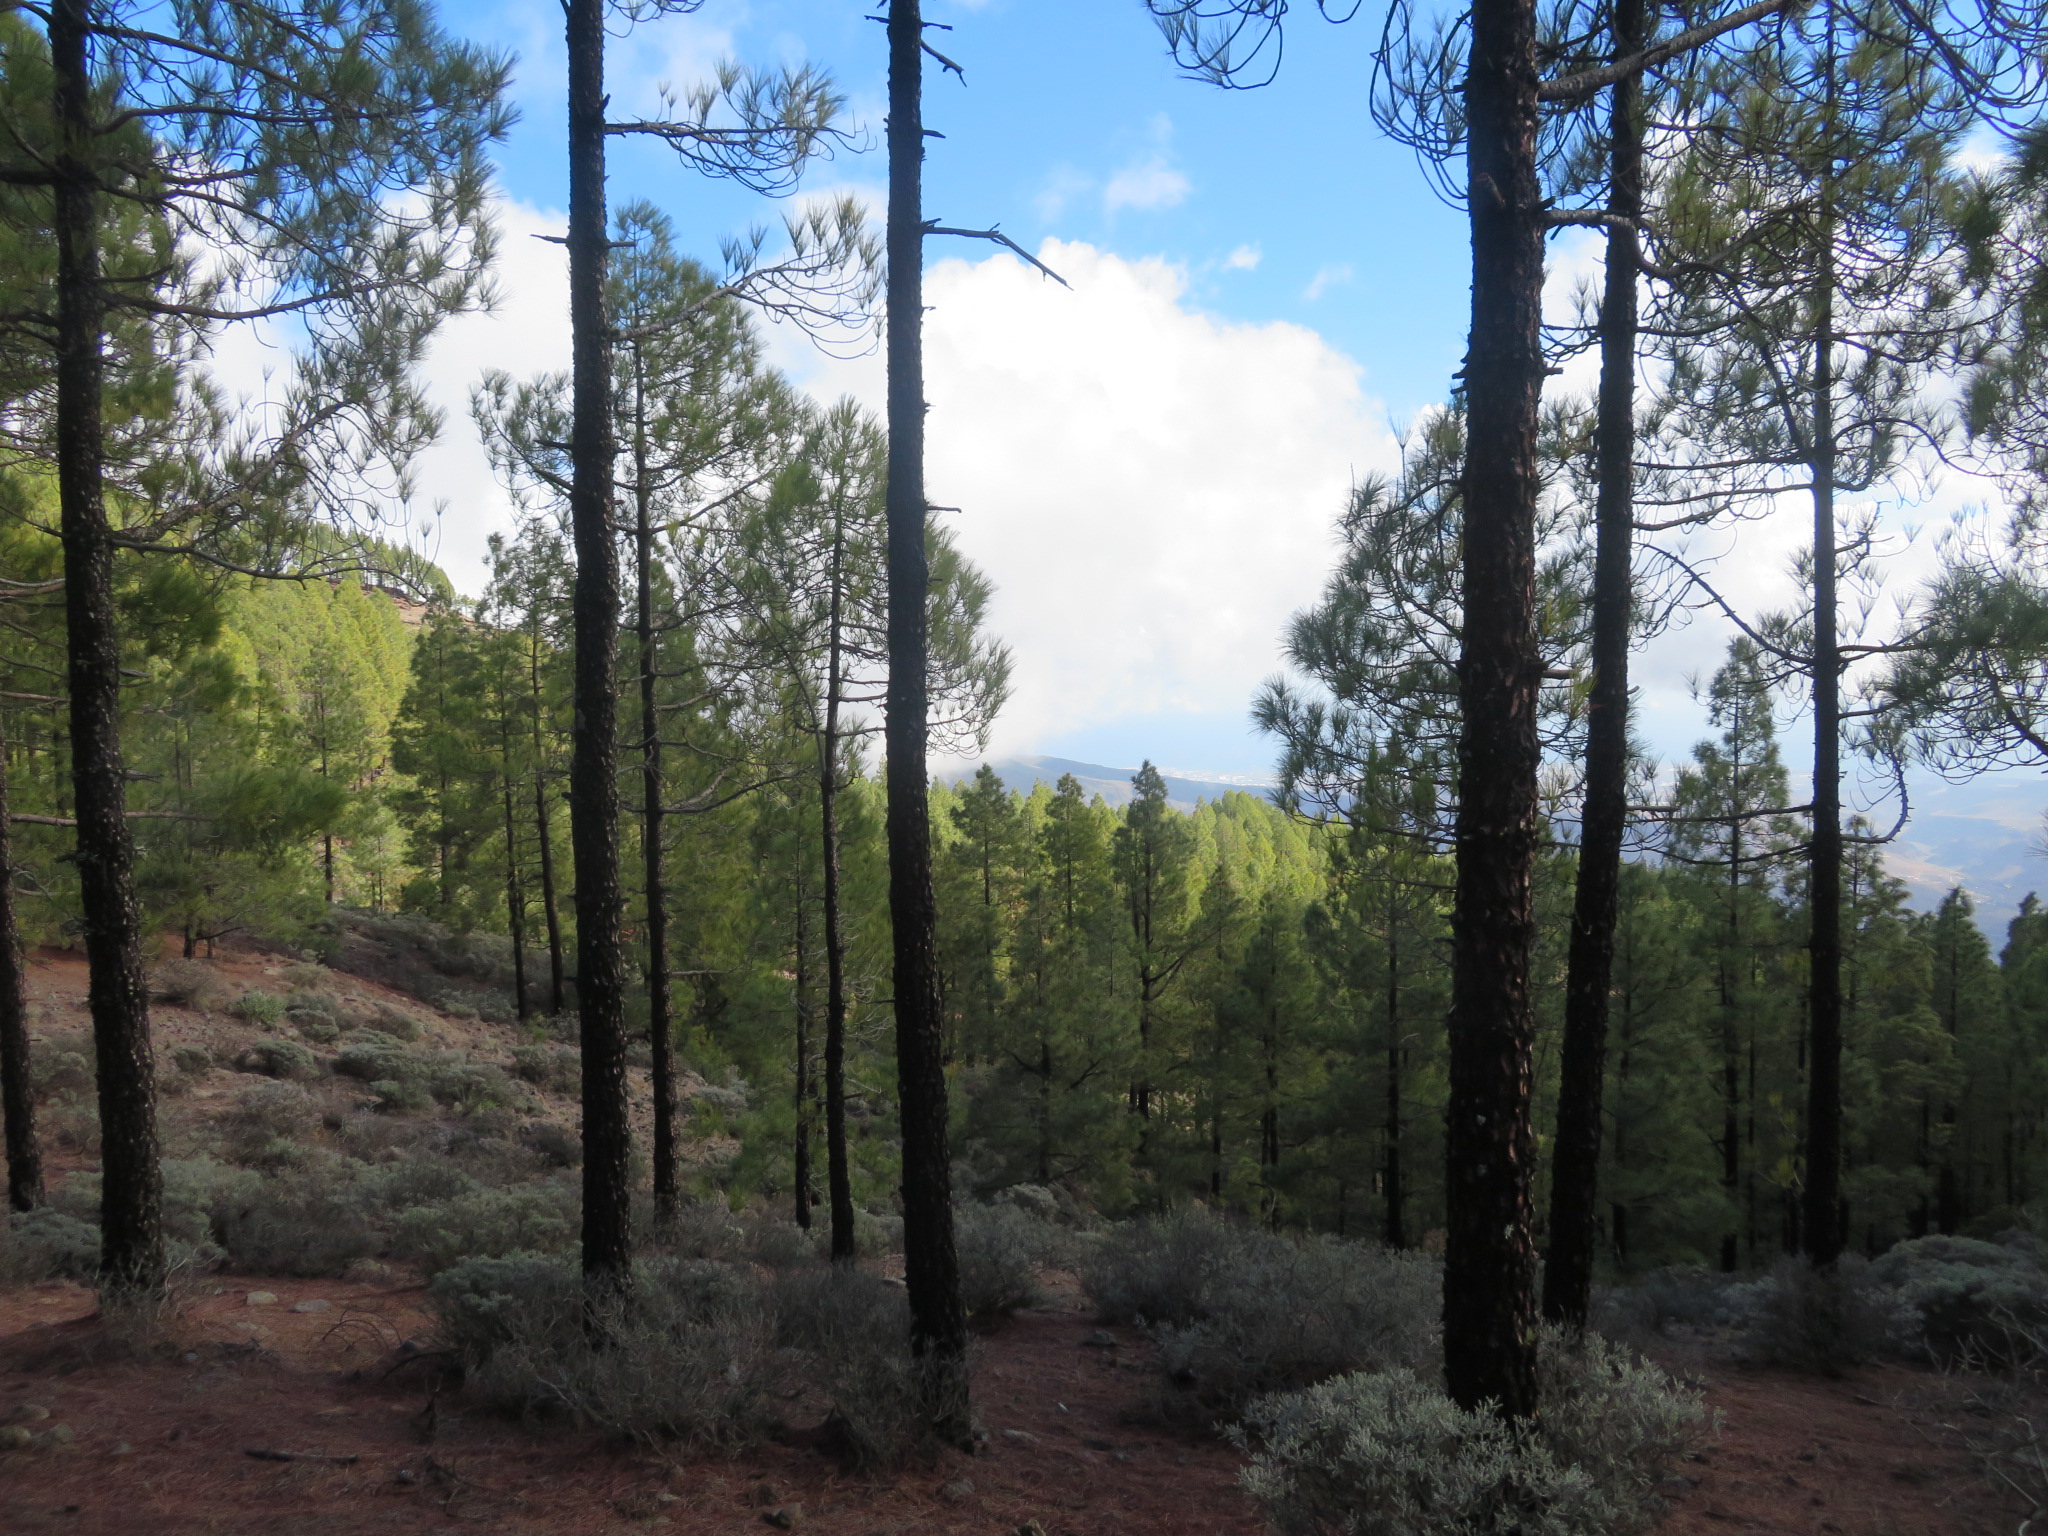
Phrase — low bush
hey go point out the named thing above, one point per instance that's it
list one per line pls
(777, 1244)
(1241, 1312)
(1954, 1299)
(316, 1001)
(47, 1244)
(278, 1058)
(1389, 1454)
(373, 1056)
(853, 1330)
(554, 1143)
(192, 1060)
(559, 1069)
(1820, 1320)
(480, 1304)
(258, 1007)
(305, 976)
(396, 1022)
(188, 984)
(302, 1222)
(262, 1125)
(64, 1068)
(688, 1357)
(488, 1223)
(1001, 1249)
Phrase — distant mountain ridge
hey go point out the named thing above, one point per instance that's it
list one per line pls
(1183, 789)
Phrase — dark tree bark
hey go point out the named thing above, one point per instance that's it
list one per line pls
(594, 757)
(1822, 1222)
(660, 1038)
(515, 896)
(931, 1267)
(1575, 1165)
(131, 1189)
(17, 1100)
(551, 911)
(800, 1152)
(1396, 1231)
(838, 1174)
(1489, 1262)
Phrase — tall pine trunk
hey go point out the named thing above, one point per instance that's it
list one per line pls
(838, 1174)
(931, 1267)
(551, 911)
(1821, 1223)
(1589, 972)
(660, 1039)
(17, 1096)
(131, 1187)
(1396, 1230)
(515, 895)
(593, 763)
(800, 1152)
(1489, 1262)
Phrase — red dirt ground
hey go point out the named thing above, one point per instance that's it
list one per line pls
(161, 1445)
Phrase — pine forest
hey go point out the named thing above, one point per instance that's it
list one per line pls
(638, 966)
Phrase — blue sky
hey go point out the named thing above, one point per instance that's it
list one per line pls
(1148, 466)
(1062, 98)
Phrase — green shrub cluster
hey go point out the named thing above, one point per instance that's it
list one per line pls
(1389, 1454)
(1240, 1312)
(1001, 1249)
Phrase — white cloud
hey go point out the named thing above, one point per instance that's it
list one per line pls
(1148, 185)
(1243, 259)
(1325, 279)
(1150, 488)
(527, 334)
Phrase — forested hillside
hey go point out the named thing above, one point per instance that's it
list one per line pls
(1303, 1092)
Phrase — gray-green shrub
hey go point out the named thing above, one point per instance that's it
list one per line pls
(258, 1007)
(689, 1356)
(1001, 1249)
(188, 984)
(63, 1068)
(278, 1058)
(1820, 1320)
(263, 1123)
(1957, 1299)
(47, 1244)
(488, 1223)
(1389, 1454)
(1240, 1312)
(852, 1329)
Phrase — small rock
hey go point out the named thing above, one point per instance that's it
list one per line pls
(122, 1449)
(15, 1438)
(312, 1306)
(404, 1477)
(1097, 1443)
(29, 1413)
(261, 1298)
(665, 1497)
(958, 1489)
(1022, 1436)
(58, 1434)
(787, 1518)
(1101, 1338)
(765, 1494)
